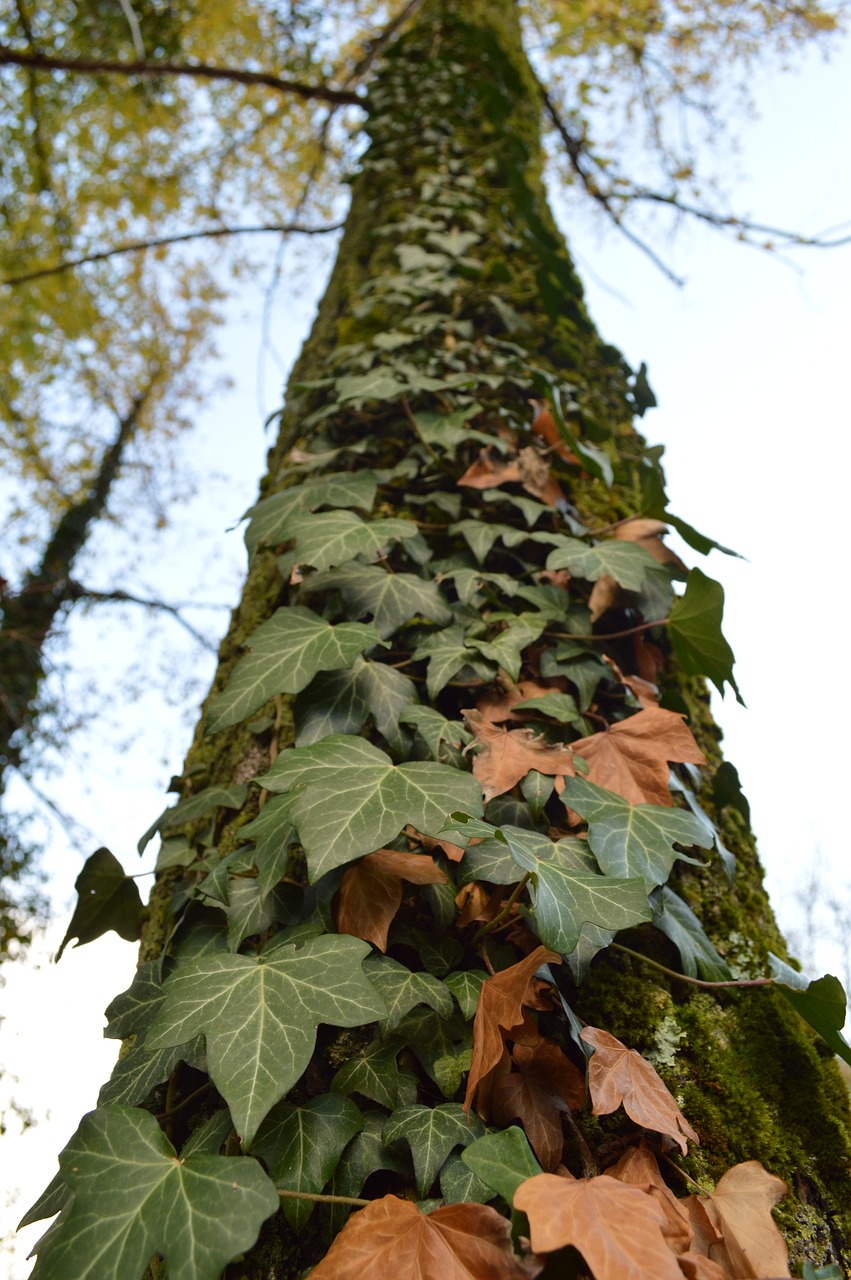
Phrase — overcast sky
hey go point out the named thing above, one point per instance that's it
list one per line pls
(750, 365)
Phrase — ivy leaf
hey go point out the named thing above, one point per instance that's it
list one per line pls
(678, 922)
(465, 985)
(391, 598)
(343, 701)
(194, 807)
(431, 1133)
(371, 892)
(341, 489)
(626, 562)
(822, 1003)
(401, 990)
(335, 537)
(694, 625)
(366, 1153)
(302, 1147)
(566, 896)
(544, 1085)
(272, 832)
(557, 706)
(618, 1075)
(286, 653)
(444, 738)
(391, 1237)
(634, 840)
(353, 799)
(107, 898)
(502, 1161)
(507, 648)
(480, 535)
(447, 653)
(441, 1045)
(631, 757)
(372, 1072)
(134, 1198)
(505, 756)
(458, 1183)
(260, 1013)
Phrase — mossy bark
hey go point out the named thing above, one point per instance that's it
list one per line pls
(455, 107)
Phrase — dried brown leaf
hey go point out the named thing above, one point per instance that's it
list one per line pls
(605, 594)
(498, 705)
(545, 427)
(500, 1013)
(390, 1237)
(617, 1075)
(646, 693)
(544, 1086)
(695, 1266)
(631, 757)
(507, 755)
(371, 892)
(488, 473)
(536, 478)
(618, 1229)
(740, 1210)
(648, 533)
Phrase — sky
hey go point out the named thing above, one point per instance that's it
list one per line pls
(749, 362)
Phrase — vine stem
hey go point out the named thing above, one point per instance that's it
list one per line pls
(609, 635)
(307, 1195)
(696, 982)
(701, 1190)
(506, 910)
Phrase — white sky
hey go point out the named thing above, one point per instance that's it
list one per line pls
(751, 364)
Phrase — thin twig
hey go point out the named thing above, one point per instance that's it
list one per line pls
(609, 635)
(308, 1195)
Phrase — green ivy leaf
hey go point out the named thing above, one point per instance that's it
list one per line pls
(447, 653)
(634, 840)
(558, 706)
(366, 1153)
(335, 537)
(694, 625)
(373, 1072)
(134, 1198)
(209, 1137)
(502, 1161)
(626, 562)
(339, 489)
(678, 922)
(458, 1183)
(508, 647)
(355, 800)
(431, 1133)
(401, 990)
(195, 807)
(465, 985)
(822, 1003)
(343, 701)
(443, 738)
(260, 1013)
(106, 899)
(302, 1147)
(480, 535)
(272, 833)
(567, 894)
(443, 1047)
(286, 653)
(391, 598)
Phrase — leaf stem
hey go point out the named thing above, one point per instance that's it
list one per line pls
(506, 910)
(308, 1195)
(609, 635)
(696, 982)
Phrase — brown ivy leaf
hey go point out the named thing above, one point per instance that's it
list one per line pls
(507, 755)
(649, 658)
(476, 905)
(371, 892)
(545, 1084)
(545, 426)
(605, 594)
(618, 1229)
(638, 1167)
(390, 1237)
(648, 533)
(646, 693)
(495, 707)
(500, 1013)
(631, 757)
(454, 852)
(740, 1211)
(486, 473)
(536, 479)
(619, 1075)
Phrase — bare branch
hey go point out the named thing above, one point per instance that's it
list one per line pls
(197, 71)
(139, 246)
(377, 46)
(576, 151)
(729, 222)
(76, 591)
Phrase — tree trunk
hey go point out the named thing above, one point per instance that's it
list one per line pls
(453, 302)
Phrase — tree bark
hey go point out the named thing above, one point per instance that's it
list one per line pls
(461, 315)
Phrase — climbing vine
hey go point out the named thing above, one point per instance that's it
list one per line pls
(473, 775)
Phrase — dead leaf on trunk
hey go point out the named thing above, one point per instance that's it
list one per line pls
(545, 1085)
(618, 1229)
(617, 1075)
(498, 705)
(489, 473)
(740, 1211)
(631, 757)
(605, 594)
(500, 1013)
(646, 693)
(648, 533)
(507, 755)
(536, 478)
(390, 1237)
(371, 892)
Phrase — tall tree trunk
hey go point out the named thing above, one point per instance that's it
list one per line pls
(452, 304)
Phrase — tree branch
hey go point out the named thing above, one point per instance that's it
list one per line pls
(76, 591)
(139, 246)
(196, 71)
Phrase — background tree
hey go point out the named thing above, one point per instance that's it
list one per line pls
(438, 315)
